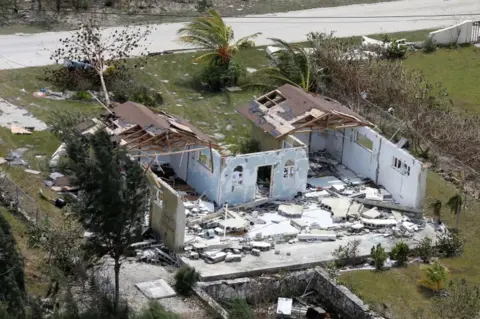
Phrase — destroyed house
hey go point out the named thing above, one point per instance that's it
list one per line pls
(189, 165)
(336, 138)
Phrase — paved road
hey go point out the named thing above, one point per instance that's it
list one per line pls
(18, 51)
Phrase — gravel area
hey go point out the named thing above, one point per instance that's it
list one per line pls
(133, 272)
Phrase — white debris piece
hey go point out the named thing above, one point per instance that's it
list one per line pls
(373, 194)
(322, 193)
(156, 289)
(61, 150)
(371, 213)
(284, 307)
(323, 235)
(290, 210)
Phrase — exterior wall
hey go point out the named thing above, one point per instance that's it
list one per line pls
(281, 187)
(334, 144)
(267, 142)
(318, 141)
(378, 165)
(201, 178)
(167, 216)
(459, 33)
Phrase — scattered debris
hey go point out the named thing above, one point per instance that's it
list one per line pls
(156, 289)
(19, 130)
(31, 171)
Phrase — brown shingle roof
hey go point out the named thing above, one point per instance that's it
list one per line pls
(290, 107)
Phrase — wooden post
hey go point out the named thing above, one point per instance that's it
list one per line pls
(211, 156)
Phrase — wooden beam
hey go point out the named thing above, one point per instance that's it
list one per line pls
(171, 153)
(211, 156)
(143, 142)
(122, 134)
(137, 138)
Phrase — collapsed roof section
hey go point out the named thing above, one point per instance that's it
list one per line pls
(138, 128)
(289, 109)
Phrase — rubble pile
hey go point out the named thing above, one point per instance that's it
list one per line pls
(330, 209)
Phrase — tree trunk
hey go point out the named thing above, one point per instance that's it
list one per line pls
(117, 284)
(457, 220)
(39, 5)
(104, 88)
(58, 5)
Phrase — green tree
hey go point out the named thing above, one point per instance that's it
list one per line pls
(113, 195)
(425, 249)
(435, 276)
(12, 282)
(436, 208)
(400, 253)
(185, 279)
(455, 204)
(292, 65)
(378, 255)
(211, 34)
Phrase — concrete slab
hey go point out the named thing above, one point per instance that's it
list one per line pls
(325, 182)
(297, 256)
(156, 289)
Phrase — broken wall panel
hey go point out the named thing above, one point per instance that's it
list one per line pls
(282, 187)
(334, 144)
(401, 174)
(167, 217)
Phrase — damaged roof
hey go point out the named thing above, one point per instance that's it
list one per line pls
(289, 109)
(143, 129)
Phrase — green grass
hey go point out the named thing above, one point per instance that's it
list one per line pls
(458, 70)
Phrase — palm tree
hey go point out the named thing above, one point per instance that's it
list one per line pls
(211, 34)
(435, 276)
(436, 207)
(455, 204)
(293, 65)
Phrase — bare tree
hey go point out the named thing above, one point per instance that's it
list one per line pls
(98, 49)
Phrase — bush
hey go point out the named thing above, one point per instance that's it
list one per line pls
(249, 146)
(156, 311)
(450, 244)
(185, 279)
(378, 255)
(137, 93)
(400, 253)
(82, 96)
(239, 309)
(203, 5)
(395, 51)
(429, 45)
(219, 75)
(425, 249)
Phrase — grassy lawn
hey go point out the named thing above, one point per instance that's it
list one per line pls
(174, 76)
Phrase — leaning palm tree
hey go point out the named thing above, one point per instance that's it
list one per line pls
(455, 204)
(435, 276)
(292, 64)
(436, 207)
(210, 33)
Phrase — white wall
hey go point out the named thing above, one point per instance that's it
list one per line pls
(459, 33)
(316, 141)
(377, 164)
(334, 144)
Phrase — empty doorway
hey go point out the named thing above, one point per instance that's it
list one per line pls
(264, 181)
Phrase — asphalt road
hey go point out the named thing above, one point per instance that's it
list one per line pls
(17, 51)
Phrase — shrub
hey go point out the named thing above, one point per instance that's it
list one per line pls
(156, 311)
(378, 255)
(450, 244)
(239, 309)
(395, 51)
(203, 5)
(400, 253)
(137, 93)
(219, 75)
(347, 253)
(249, 146)
(81, 96)
(429, 45)
(185, 279)
(425, 249)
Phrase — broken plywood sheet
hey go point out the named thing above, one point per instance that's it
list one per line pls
(19, 130)
(156, 289)
(341, 207)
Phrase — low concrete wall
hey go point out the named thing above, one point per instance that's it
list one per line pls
(459, 34)
(261, 289)
(341, 298)
(267, 289)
